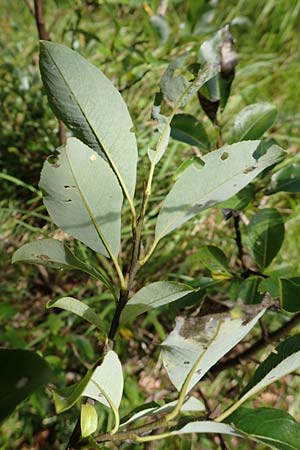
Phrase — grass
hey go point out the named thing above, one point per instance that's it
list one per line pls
(128, 53)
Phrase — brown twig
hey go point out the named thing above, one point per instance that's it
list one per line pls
(38, 14)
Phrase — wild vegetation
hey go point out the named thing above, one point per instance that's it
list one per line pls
(172, 320)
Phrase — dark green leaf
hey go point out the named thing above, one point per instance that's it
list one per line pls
(83, 197)
(54, 254)
(272, 426)
(286, 179)
(253, 121)
(225, 172)
(186, 128)
(153, 296)
(289, 289)
(91, 107)
(214, 259)
(22, 372)
(249, 292)
(265, 234)
(270, 285)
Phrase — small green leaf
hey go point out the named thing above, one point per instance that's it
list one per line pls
(214, 259)
(270, 285)
(289, 289)
(282, 361)
(272, 426)
(88, 420)
(265, 234)
(186, 128)
(252, 122)
(83, 197)
(161, 26)
(89, 104)
(22, 372)
(173, 86)
(153, 296)
(80, 309)
(286, 180)
(197, 343)
(249, 291)
(65, 398)
(54, 254)
(232, 166)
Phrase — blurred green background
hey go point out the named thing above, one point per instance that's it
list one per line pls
(132, 50)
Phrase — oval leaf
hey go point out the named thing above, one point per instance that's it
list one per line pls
(282, 361)
(54, 254)
(78, 308)
(265, 234)
(225, 172)
(214, 259)
(186, 128)
(82, 97)
(106, 381)
(83, 197)
(153, 296)
(197, 343)
(253, 121)
(289, 291)
(22, 372)
(269, 425)
(249, 291)
(88, 420)
(206, 426)
(286, 180)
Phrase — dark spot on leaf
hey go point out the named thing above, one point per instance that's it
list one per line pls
(224, 156)
(199, 371)
(67, 201)
(186, 362)
(66, 186)
(249, 169)
(44, 257)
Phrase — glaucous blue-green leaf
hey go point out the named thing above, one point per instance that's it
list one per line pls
(289, 292)
(249, 291)
(80, 309)
(22, 372)
(282, 361)
(191, 405)
(286, 180)
(274, 427)
(265, 234)
(54, 254)
(197, 343)
(152, 296)
(83, 197)
(186, 128)
(172, 85)
(106, 383)
(253, 121)
(214, 259)
(88, 103)
(225, 172)
(88, 420)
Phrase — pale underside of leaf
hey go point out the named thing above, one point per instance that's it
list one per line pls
(109, 377)
(91, 107)
(197, 343)
(83, 197)
(225, 172)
